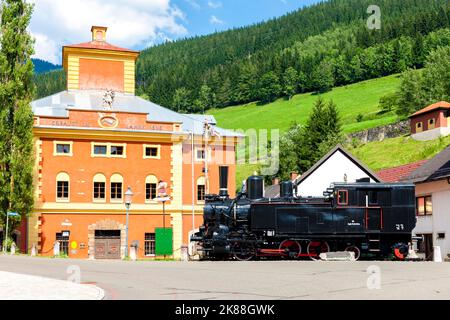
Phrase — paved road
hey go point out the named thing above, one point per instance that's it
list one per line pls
(247, 280)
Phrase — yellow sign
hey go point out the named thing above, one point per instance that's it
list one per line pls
(74, 245)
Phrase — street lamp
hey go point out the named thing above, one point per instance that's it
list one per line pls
(128, 197)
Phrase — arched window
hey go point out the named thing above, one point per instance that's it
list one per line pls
(201, 189)
(62, 186)
(116, 187)
(99, 183)
(151, 183)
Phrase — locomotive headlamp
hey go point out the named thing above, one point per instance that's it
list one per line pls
(270, 233)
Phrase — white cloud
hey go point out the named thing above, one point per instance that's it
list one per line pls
(214, 5)
(193, 3)
(215, 20)
(131, 23)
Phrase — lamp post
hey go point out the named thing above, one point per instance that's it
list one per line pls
(128, 197)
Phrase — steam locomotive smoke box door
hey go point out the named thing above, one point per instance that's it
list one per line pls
(164, 241)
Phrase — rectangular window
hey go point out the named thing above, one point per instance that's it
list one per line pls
(116, 190)
(99, 190)
(201, 193)
(200, 154)
(343, 197)
(62, 190)
(62, 148)
(151, 152)
(63, 240)
(100, 150)
(149, 244)
(150, 191)
(117, 150)
(424, 206)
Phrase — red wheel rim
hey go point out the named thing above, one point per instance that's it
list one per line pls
(291, 246)
(315, 248)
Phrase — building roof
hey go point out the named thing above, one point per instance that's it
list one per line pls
(59, 104)
(340, 148)
(100, 45)
(272, 191)
(396, 174)
(435, 169)
(434, 106)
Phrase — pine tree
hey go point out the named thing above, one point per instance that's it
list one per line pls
(16, 117)
(181, 100)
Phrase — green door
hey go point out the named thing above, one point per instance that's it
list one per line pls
(164, 241)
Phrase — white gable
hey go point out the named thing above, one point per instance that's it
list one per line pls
(332, 170)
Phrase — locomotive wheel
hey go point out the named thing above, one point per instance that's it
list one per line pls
(354, 249)
(291, 246)
(401, 251)
(315, 248)
(243, 251)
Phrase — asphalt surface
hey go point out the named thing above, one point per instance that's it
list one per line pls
(258, 280)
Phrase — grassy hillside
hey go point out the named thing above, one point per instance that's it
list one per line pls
(398, 151)
(360, 98)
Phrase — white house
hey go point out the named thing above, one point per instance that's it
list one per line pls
(432, 180)
(338, 165)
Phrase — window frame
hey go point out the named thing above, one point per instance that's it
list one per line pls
(55, 148)
(419, 126)
(149, 242)
(433, 125)
(196, 150)
(124, 148)
(117, 200)
(425, 213)
(62, 177)
(346, 198)
(158, 150)
(108, 146)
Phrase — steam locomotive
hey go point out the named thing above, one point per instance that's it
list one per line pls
(373, 220)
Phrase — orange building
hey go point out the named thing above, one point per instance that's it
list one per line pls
(97, 139)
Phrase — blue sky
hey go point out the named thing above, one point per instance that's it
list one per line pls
(207, 16)
(138, 24)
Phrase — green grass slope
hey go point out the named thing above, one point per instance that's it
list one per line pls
(398, 151)
(360, 98)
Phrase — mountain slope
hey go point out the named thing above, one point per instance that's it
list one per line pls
(352, 100)
(41, 66)
(329, 40)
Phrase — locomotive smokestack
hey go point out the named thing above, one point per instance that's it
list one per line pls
(223, 181)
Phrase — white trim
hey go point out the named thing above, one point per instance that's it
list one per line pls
(55, 150)
(108, 146)
(157, 146)
(62, 177)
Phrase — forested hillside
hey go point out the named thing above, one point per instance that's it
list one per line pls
(41, 66)
(313, 49)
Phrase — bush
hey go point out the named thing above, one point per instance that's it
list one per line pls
(359, 117)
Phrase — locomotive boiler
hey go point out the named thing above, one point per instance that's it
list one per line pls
(374, 220)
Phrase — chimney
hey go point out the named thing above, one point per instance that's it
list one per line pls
(99, 33)
(223, 181)
(275, 181)
(294, 175)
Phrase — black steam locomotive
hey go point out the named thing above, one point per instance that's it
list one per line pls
(374, 220)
